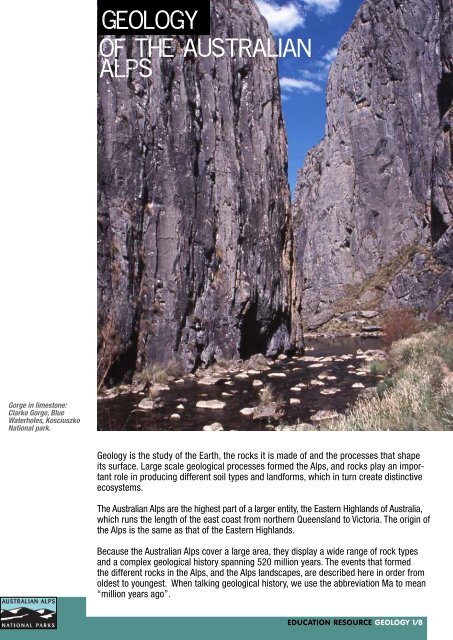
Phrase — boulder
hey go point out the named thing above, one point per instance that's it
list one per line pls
(148, 404)
(211, 404)
(272, 410)
(215, 426)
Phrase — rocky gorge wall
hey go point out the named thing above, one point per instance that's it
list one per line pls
(373, 207)
(201, 257)
(194, 242)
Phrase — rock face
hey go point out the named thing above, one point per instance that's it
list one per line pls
(374, 202)
(194, 207)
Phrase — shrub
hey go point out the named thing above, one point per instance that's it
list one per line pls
(399, 323)
(160, 374)
(446, 404)
(379, 368)
(444, 350)
(267, 395)
(384, 386)
(109, 348)
(434, 318)
(141, 377)
(157, 374)
(437, 343)
(153, 393)
(418, 396)
(175, 368)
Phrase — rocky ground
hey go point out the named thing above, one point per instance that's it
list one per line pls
(304, 391)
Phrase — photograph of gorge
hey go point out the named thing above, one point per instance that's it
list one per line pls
(275, 234)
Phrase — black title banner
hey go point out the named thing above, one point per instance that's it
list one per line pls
(148, 17)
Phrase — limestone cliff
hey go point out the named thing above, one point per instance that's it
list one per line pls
(194, 207)
(373, 206)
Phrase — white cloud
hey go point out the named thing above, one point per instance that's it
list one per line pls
(330, 55)
(324, 6)
(281, 18)
(297, 84)
(310, 80)
(319, 74)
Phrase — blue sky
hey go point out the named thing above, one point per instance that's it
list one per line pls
(304, 80)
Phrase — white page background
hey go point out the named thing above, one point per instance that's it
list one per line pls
(48, 329)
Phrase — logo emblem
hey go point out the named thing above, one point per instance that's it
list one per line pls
(28, 613)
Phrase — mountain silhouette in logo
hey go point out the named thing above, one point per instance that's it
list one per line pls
(23, 614)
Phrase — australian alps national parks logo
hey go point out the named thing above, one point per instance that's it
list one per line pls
(28, 613)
